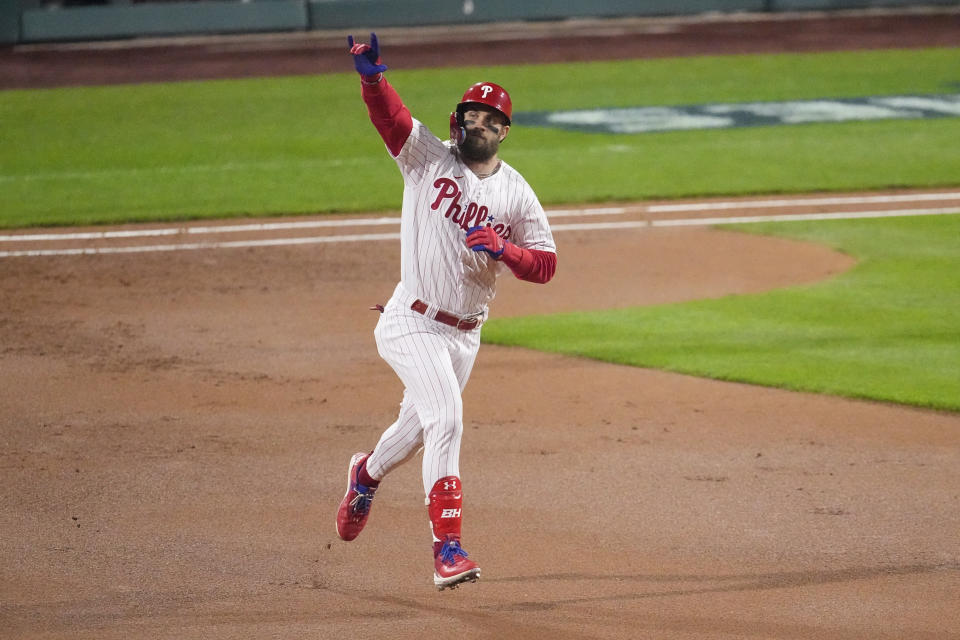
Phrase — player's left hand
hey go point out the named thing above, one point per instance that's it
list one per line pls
(485, 239)
(366, 57)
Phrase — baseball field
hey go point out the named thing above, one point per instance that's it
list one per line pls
(734, 413)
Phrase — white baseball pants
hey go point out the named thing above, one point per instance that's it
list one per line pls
(434, 362)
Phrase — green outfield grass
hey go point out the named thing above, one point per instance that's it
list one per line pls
(887, 330)
(304, 144)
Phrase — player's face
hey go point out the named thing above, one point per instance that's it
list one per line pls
(486, 128)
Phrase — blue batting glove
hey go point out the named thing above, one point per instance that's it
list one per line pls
(366, 57)
(485, 239)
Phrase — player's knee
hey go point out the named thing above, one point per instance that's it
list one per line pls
(446, 433)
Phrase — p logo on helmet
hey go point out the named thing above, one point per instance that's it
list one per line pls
(488, 93)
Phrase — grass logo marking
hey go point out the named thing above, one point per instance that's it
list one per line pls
(744, 114)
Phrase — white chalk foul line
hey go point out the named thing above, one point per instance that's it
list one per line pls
(599, 211)
(786, 217)
(257, 227)
(551, 213)
(797, 217)
(195, 246)
(811, 202)
(586, 226)
(173, 231)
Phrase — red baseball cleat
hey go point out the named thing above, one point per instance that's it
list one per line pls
(355, 506)
(452, 567)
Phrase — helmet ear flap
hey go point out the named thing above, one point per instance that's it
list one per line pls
(457, 131)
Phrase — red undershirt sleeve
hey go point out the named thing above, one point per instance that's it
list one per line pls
(394, 123)
(531, 265)
(387, 113)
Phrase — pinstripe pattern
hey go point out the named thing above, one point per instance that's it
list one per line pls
(442, 197)
(436, 265)
(434, 362)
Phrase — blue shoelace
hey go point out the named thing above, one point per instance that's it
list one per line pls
(361, 503)
(449, 552)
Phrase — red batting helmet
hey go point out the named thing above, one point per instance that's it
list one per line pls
(492, 95)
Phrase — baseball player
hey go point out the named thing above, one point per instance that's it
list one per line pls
(467, 217)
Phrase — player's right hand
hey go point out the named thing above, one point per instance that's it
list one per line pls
(366, 57)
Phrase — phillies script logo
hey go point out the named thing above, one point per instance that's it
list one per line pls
(464, 214)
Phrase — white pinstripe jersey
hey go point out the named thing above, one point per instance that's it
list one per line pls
(442, 198)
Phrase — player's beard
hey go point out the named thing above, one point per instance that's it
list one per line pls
(477, 149)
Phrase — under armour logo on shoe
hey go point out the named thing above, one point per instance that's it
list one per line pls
(449, 485)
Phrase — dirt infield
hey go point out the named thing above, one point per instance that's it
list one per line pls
(176, 426)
